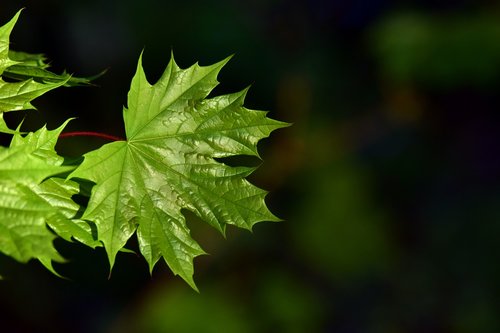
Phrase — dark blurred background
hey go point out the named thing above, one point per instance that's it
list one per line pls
(388, 181)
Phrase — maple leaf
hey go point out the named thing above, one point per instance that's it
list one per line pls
(31, 200)
(56, 191)
(23, 231)
(34, 66)
(31, 75)
(16, 96)
(169, 162)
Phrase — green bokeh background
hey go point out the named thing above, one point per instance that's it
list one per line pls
(388, 181)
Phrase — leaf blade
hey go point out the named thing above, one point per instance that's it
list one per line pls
(168, 163)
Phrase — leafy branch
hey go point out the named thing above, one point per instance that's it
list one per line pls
(168, 161)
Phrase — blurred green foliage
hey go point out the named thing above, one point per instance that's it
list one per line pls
(437, 50)
(341, 231)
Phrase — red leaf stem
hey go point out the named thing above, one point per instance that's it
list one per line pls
(92, 134)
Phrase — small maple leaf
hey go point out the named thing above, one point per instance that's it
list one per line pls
(16, 96)
(29, 77)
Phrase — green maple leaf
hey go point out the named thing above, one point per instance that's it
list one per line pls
(23, 231)
(168, 163)
(30, 75)
(34, 66)
(56, 191)
(31, 200)
(18, 95)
